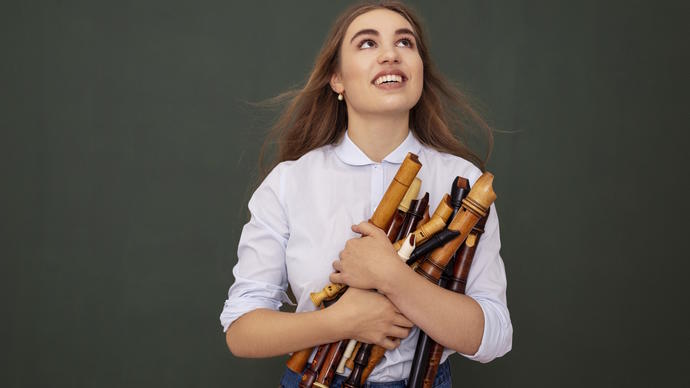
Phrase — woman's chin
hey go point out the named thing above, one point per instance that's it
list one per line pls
(389, 105)
(397, 108)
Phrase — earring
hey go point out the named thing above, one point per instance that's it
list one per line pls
(340, 96)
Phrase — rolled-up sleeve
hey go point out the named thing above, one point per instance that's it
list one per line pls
(260, 273)
(486, 284)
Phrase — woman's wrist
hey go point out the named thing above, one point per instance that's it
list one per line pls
(339, 324)
(395, 277)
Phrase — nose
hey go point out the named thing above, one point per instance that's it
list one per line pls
(389, 55)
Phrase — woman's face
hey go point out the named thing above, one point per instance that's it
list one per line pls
(380, 68)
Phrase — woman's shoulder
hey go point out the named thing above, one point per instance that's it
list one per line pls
(443, 162)
(314, 161)
(317, 155)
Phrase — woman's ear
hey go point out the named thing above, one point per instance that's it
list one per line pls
(337, 83)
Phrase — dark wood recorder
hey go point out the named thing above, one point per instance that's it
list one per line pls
(428, 353)
(420, 362)
(456, 283)
(474, 207)
(413, 216)
(312, 372)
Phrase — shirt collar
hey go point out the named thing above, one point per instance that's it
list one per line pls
(348, 152)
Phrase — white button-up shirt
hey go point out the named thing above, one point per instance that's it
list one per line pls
(300, 220)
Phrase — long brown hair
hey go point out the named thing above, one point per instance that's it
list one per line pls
(314, 117)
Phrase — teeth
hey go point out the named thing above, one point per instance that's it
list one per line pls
(388, 78)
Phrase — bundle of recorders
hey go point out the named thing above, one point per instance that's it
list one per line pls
(428, 244)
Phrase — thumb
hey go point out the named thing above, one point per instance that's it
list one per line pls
(365, 229)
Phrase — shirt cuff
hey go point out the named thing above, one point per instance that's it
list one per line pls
(497, 338)
(244, 297)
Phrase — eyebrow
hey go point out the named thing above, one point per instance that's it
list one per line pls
(371, 31)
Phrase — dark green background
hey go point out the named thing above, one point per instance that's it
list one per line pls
(127, 150)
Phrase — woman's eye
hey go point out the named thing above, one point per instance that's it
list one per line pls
(366, 43)
(405, 42)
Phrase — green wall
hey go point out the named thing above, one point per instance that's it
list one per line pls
(128, 147)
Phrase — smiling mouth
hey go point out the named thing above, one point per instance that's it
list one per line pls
(389, 79)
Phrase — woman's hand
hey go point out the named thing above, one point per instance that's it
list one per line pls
(370, 317)
(367, 261)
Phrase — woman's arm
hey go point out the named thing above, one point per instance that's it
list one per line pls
(453, 320)
(476, 324)
(268, 333)
(363, 315)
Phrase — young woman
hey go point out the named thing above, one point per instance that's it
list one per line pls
(372, 97)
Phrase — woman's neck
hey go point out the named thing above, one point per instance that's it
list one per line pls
(377, 136)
